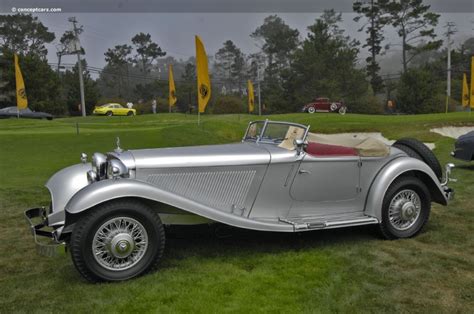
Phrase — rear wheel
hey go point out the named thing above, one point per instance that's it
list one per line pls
(130, 113)
(117, 241)
(406, 208)
(342, 110)
(311, 110)
(416, 149)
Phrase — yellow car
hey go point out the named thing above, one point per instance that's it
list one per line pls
(114, 109)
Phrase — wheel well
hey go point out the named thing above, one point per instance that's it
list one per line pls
(436, 195)
(71, 219)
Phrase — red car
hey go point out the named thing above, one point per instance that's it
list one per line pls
(324, 105)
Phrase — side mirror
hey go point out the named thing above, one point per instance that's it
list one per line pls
(300, 145)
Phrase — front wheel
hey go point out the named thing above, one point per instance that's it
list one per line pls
(406, 208)
(117, 241)
(342, 110)
(109, 113)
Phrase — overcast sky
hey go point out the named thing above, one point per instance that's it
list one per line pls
(174, 32)
(114, 22)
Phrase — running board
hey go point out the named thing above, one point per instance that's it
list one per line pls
(301, 224)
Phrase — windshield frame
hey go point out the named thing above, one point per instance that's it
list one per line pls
(267, 122)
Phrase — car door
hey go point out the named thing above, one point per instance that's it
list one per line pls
(118, 110)
(326, 185)
(123, 110)
(325, 104)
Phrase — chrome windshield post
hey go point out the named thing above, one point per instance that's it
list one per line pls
(259, 137)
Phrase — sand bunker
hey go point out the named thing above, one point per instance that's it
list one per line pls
(376, 135)
(453, 131)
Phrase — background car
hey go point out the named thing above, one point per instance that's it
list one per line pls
(114, 109)
(464, 147)
(325, 105)
(12, 112)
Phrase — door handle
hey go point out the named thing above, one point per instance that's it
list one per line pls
(302, 171)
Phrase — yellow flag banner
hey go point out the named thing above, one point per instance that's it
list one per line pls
(465, 92)
(471, 92)
(251, 96)
(172, 89)
(21, 100)
(203, 81)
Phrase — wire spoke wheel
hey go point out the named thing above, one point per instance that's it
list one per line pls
(120, 243)
(404, 209)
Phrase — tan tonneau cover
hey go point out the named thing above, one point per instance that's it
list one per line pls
(366, 146)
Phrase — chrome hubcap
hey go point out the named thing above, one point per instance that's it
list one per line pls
(404, 209)
(120, 243)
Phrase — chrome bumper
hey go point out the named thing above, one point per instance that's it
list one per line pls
(449, 193)
(51, 247)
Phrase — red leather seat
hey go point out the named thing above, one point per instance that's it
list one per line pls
(321, 150)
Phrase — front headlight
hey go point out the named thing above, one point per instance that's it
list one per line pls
(99, 165)
(116, 169)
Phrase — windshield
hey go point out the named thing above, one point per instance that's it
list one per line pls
(274, 132)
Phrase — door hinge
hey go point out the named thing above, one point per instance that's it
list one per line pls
(359, 163)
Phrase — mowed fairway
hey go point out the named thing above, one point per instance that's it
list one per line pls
(345, 270)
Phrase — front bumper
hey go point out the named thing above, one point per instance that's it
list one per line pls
(52, 246)
(449, 193)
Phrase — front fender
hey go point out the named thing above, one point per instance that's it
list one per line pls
(63, 185)
(391, 171)
(107, 190)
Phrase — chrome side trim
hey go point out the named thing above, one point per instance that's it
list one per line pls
(301, 225)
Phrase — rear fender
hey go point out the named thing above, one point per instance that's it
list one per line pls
(394, 169)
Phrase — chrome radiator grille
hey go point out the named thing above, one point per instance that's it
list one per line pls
(218, 189)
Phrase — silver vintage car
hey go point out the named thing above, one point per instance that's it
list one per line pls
(111, 212)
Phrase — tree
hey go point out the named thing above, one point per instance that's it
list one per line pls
(67, 45)
(147, 51)
(325, 65)
(278, 42)
(376, 21)
(25, 34)
(230, 65)
(419, 91)
(415, 25)
(118, 58)
(41, 82)
(72, 92)
(187, 87)
(255, 62)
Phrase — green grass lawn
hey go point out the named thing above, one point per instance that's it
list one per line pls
(344, 270)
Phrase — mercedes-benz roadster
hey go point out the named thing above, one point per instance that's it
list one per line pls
(111, 212)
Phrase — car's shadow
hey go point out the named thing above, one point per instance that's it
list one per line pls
(218, 239)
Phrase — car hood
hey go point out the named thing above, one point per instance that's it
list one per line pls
(198, 156)
(468, 137)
